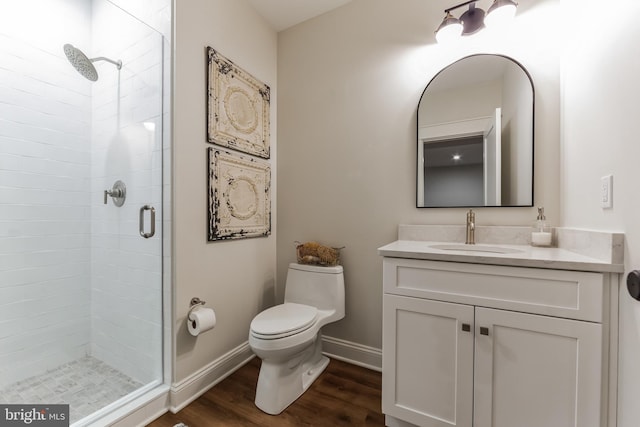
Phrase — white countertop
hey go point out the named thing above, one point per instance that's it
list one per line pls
(526, 256)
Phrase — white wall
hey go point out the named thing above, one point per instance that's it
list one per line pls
(349, 83)
(516, 127)
(600, 137)
(45, 119)
(236, 278)
(475, 101)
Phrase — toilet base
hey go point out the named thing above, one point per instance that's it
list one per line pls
(280, 384)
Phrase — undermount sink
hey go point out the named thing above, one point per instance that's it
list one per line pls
(475, 248)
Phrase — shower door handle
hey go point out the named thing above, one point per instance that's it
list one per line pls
(153, 221)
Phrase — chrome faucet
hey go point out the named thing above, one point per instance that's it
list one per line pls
(471, 228)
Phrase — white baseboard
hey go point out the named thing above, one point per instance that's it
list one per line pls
(196, 384)
(357, 354)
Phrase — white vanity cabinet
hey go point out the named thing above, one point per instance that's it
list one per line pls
(494, 346)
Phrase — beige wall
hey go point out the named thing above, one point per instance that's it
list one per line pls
(349, 83)
(600, 137)
(236, 278)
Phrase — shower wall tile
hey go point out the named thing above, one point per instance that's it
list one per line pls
(45, 120)
(155, 13)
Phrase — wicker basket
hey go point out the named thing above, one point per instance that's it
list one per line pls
(316, 254)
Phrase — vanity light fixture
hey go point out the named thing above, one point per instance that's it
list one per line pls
(474, 19)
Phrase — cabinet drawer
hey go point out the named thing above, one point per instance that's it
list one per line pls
(569, 294)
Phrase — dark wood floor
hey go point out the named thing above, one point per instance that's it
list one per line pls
(344, 395)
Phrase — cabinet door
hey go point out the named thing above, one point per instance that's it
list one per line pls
(533, 371)
(427, 361)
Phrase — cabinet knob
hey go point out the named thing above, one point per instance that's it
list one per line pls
(633, 284)
(484, 330)
(466, 327)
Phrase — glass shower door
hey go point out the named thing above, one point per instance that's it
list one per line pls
(80, 275)
(126, 254)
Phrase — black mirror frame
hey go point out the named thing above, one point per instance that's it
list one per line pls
(533, 122)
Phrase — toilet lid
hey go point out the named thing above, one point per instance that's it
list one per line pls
(287, 318)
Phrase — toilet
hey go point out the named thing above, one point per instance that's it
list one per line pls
(287, 337)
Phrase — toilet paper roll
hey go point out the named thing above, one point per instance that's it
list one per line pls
(201, 319)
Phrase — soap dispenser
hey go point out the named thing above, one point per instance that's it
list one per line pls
(541, 232)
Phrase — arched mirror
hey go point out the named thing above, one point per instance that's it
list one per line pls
(475, 135)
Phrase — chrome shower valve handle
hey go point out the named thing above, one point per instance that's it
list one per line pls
(118, 193)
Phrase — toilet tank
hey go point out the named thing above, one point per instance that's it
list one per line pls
(321, 287)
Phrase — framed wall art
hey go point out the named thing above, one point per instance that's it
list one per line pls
(238, 107)
(239, 196)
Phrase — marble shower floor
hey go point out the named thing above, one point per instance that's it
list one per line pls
(86, 384)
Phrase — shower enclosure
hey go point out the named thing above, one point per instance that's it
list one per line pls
(81, 167)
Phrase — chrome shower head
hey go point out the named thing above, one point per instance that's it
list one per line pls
(83, 64)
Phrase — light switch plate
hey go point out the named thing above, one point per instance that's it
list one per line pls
(606, 192)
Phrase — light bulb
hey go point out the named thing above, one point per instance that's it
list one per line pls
(500, 13)
(449, 30)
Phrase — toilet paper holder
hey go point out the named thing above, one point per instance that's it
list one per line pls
(195, 302)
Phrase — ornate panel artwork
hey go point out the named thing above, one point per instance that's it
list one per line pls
(239, 196)
(238, 107)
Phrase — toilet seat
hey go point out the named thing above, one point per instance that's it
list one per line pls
(283, 320)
